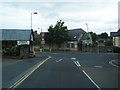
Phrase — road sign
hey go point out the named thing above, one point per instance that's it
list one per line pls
(43, 34)
(43, 39)
(42, 42)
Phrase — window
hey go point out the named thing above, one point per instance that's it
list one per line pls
(68, 45)
(72, 45)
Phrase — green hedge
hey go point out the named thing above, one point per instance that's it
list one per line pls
(45, 50)
(116, 49)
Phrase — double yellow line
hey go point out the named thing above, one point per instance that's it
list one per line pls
(18, 82)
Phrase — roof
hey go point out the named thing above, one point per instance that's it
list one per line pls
(74, 34)
(114, 34)
(119, 32)
(16, 34)
(85, 35)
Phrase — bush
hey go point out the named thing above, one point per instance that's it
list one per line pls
(46, 50)
(116, 49)
(36, 49)
(14, 51)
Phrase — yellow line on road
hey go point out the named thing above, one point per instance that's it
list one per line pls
(18, 82)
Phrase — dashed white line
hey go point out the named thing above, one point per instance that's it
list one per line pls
(59, 60)
(78, 63)
(75, 62)
(73, 58)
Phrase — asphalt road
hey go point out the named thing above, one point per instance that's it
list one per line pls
(74, 70)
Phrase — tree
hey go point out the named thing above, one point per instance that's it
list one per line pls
(103, 35)
(57, 34)
(94, 36)
(37, 38)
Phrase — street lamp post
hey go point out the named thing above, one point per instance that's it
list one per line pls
(31, 18)
(32, 46)
(87, 40)
(87, 27)
(42, 42)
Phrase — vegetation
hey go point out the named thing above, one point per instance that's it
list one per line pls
(116, 49)
(94, 36)
(37, 38)
(57, 34)
(103, 35)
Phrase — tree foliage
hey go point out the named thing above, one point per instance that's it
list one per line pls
(57, 34)
(103, 35)
(94, 36)
(37, 38)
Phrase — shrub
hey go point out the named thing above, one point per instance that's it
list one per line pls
(116, 49)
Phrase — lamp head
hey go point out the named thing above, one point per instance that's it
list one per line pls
(35, 13)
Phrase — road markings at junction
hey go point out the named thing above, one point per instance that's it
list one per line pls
(79, 65)
(98, 66)
(73, 58)
(18, 82)
(111, 62)
(59, 60)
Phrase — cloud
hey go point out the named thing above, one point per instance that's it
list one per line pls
(99, 15)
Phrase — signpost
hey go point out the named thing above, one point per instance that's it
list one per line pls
(43, 42)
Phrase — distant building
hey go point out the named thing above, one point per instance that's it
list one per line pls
(116, 38)
(101, 41)
(77, 38)
(22, 38)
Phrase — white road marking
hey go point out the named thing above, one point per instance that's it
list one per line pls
(73, 58)
(79, 65)
(91, 80)
(18, 82)
(98, 66)
(59, 60)
(75, 62)
(110, 62)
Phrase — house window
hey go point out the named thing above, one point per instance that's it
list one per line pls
(72, 45)
(68, 45)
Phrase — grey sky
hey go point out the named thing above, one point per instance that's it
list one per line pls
(101, 15)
